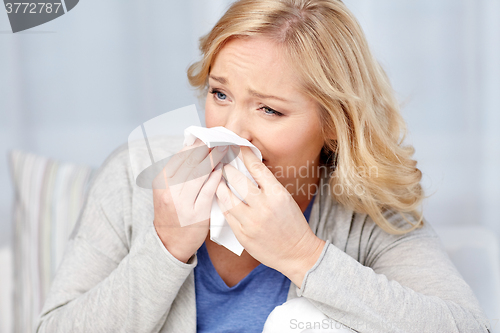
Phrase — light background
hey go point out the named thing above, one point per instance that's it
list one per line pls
(74, 88)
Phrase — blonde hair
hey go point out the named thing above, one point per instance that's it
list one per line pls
(354, 95)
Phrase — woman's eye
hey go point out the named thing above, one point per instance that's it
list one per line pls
(268, 111)
(271, 112)
(218, 94)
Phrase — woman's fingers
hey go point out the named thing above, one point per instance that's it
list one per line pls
(200, 173)
(234, 223)
(205, 198)
(197, 154)
(198, 166)
(192, 182)
(229, 202)
(179, 158)
(192, 186)
(244, 187)
(189, 185)
(259, 171)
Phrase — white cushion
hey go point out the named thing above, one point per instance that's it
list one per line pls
(300, 315)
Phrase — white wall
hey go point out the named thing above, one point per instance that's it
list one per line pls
(74, 88)
(443, 58)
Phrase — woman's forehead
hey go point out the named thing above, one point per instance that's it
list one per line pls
(255, 50)
(257, 58)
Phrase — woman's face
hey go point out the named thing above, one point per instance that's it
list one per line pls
(244, 77)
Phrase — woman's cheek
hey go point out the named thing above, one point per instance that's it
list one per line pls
(210, 113)
(210, 118)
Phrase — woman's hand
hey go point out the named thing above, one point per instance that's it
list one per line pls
(270, 226)
(183, 200)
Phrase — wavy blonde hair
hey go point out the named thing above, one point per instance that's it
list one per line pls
(355, 98)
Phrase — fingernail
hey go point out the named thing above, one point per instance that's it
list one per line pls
(221, 148)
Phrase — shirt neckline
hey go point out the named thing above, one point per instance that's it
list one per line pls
(217, 279)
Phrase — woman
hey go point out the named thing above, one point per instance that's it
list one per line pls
(297, 80)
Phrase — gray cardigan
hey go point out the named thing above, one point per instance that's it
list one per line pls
(116, 275)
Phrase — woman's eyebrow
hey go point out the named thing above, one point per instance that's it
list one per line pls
(220, 79)
(223, 80)
(259, 95)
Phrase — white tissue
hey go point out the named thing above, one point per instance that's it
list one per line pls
(220, 231)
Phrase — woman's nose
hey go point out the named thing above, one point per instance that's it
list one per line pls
(239, 124)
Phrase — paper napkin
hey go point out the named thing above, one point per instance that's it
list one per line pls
(220, 231)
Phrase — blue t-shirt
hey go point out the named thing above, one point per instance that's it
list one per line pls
(242, 308)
